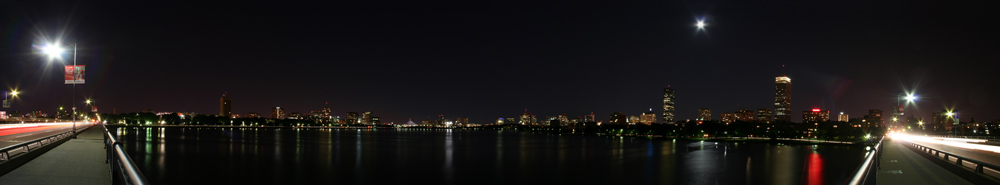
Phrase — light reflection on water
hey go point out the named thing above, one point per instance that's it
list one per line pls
(442, 156)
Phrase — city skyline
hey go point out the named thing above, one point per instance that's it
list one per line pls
(391, 60)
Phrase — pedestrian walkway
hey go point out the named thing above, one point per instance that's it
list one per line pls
(77, 161)
(900, 165)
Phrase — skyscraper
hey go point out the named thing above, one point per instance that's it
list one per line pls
(704, 114)
(843, 117)
(225, 106)
(668, 105)
(619, 118)
(648, 118)
(278, 113)
(782, 99)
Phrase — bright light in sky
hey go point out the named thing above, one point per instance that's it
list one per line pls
(701, 24)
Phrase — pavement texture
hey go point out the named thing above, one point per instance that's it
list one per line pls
(900, 165)
(77, 161)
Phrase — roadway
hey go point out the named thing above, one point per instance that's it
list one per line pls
(981, 152)
(11, 134)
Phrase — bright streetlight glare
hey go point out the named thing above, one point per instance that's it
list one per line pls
(950, 113)
(910, 97)
(701, 24)
(14, 93)
(88, 102)
(52, 50)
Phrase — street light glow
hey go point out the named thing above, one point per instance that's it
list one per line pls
(950, 113)
(52, 50)
(13, 93)
(910, 97)
(701, 24)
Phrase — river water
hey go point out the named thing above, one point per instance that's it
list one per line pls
(446, 156)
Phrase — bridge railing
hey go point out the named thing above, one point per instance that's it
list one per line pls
(24, 147)
(866, 172)
(979, 165)
(123, 170)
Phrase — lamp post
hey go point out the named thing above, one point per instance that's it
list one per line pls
(54, 51)
(7, 102)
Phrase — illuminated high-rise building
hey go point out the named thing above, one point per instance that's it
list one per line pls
(782, 99)
(366, 118)
(727, 117)
(352, 118)
(278, 113)
(589, 118)
(668, 105)
(528, 119)
(764, 115)
(843, 117)
(225, 106)
(704, 114)
(874, 117)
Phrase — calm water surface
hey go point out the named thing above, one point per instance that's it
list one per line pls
(441, 156)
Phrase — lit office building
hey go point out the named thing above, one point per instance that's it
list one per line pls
(225, 106)
(632, 120)
(366, 118)
(461, 121)
(843, 117)
(648, 118)
(352, 118)
(727, 117)
(589, 118)
(745, 115)
(704, 114)
(815, 116)
(278, 113)
(668, 105)
(782, 99)
(874, 117)
(764, 115)
(376, 120)
(528, 119)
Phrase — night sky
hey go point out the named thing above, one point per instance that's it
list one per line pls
(489, 59)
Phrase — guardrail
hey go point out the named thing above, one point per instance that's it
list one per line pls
(959, 159)
(123, 170)
(27, 146)
(865, 174)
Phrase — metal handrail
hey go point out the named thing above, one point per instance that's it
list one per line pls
(27, 146)
(123, 170)
(861, 175)
(958, 161)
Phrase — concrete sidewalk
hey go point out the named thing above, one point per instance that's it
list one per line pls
(900, 165)
(77, 161)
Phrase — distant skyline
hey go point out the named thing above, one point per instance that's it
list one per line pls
(485, 60)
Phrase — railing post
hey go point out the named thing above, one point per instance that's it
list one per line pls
(979, 167)
(959, 161)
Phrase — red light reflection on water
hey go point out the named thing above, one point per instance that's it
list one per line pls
(815, 169)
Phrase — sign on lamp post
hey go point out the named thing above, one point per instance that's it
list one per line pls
(74, 74)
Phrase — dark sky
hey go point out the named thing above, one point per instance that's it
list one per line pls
(489, 59)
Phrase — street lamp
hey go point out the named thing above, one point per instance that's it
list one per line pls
(54, 51)
(6, 102)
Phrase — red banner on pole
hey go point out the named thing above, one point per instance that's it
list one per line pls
(74, 74)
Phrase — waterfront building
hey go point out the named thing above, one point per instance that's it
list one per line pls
(225, 106)
(782, 99)
(727, 117)
(376, 120)
(461, 121)
(875, 116)
(589, 118)
(352, 118)
(745, 115)
(632, 120)
(843, 117)
(278, 113)
(326, 113)
(648, 118)
(815, 116)
(619, 118)
(366, 118)
(528, 119)
(294, 115)
(253, 115)
(668, 105)
(704, 114)
(764, 115)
